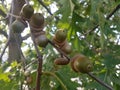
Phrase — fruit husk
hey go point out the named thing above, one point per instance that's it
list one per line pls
(60, 44)
(61, 61)
(81, 63)
(36, 29)
(36, 34)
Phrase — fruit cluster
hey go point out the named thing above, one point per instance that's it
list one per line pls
(79, 63)
(36, 22)
(60, 40)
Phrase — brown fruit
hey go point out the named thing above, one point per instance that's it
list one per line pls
(61, 61)
(81, 63)
(66, 48)
(41, 40)
(61, 35)
(37, 20)
(27, 11)
(18, 26)
(29, 80)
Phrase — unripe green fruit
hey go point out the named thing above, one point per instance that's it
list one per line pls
(61, 35)
(18, 26)
(37, 20)
(66, 48)
(61, 61)
(27, 11)
(41, 40)
(81, 63)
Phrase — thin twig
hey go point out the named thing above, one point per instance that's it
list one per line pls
(42, 3)
(26, 36)
(116, 8)
(13, 15)
(39, 69)
(90, 74)
(3, 33)
(7, 43)
(99, 81)
(61, 52)
(27, 66)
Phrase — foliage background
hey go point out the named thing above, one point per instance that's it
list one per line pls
(90, 32)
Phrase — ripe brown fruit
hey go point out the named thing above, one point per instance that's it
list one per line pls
(37, 20)
(27, 11)
(66, 48)
(81, 63)
(41, 40)
(61, 61)
(60, 36)
(18, 26)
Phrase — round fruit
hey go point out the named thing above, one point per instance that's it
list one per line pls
(41, 40)
(29, 80)
(61, 61)
(18, 26)
(27, 11)
(61, 35)
(81, 63)
(66, 48)
(37, 20)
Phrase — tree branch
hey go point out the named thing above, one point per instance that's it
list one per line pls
(4, 33)
(7, 43)
(59, 50)
(90, 74)
(116, 8)
(39, 69)
(26, 36)
(42, 3)
(99, 81)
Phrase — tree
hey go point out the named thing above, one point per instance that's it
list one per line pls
(92, 30)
